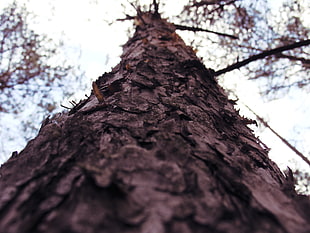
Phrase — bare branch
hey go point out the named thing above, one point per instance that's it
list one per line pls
(155, 4)
(208, 2)
(305, 62)
(260, 119)
(128, 17)
(196, 29)
(262, 55)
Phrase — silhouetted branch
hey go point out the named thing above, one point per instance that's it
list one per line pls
(210, 2)
(262, 55)
(155, 4)
(305, 62)
(260, 119)
(196, 29)
(128, 17)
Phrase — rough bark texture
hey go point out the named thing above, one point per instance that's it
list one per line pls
(162, 151)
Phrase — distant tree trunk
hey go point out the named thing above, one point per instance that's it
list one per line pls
(156, 148)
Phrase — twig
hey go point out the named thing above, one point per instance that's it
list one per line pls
(196, 29)
(128, 17)
(304, 158)
(155, 4)
(138, 10)
(64, 106)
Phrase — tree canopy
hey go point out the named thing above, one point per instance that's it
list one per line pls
(260, 27)
(26, 57)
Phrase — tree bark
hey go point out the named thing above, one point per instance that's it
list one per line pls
(157, 147)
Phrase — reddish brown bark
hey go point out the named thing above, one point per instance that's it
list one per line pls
(164, 151)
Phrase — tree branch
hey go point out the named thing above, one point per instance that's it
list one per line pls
(304, 158)
(262, 55)
(128, 17)
(210, 2)
(196, 29)
(155, 4)
(305, 62)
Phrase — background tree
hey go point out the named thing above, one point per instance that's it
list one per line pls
(33, 71)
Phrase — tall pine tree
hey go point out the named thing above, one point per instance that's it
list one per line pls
(157, 147)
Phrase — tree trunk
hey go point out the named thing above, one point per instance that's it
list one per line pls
(156, 148)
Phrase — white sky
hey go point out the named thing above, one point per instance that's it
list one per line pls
(85, 28)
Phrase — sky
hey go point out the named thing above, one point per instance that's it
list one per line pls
(97, 46)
